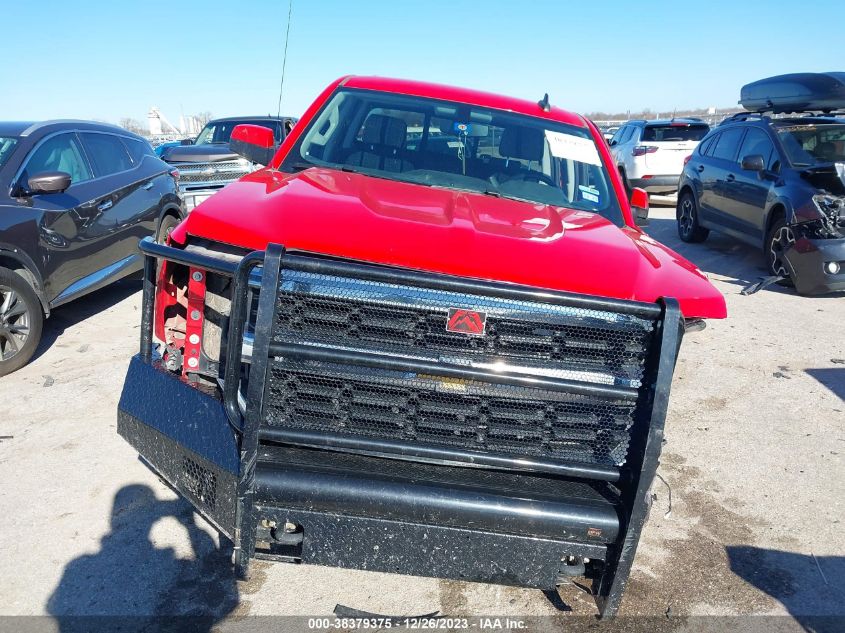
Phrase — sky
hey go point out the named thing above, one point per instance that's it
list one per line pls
(113, 59)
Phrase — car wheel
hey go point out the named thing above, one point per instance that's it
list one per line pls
(781, 237)
(168, 223)
(20, 321)
(687, 215)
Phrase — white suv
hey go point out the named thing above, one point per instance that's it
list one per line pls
(650, 154)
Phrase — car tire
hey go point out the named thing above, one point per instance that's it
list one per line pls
(779, 238)
(168, 223)
(689, 230)
(21, 320)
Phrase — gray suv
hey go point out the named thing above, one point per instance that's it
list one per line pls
(207, 164)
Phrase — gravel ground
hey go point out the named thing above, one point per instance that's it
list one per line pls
(754, 458)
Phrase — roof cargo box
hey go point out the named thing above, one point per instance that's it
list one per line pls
(796, 92)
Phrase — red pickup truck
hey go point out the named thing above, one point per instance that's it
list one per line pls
(428, 338)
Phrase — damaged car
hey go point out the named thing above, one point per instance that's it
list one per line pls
(776, 183)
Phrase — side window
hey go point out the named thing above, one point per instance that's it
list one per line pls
(137, 149)
(108, 155)
(617, 138)
(706, 146)
(59, 153)
(757, 142)
(629, 131)
(728, 143)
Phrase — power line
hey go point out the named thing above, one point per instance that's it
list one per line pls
(284, 59)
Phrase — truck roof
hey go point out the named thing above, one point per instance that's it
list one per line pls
(463, 95)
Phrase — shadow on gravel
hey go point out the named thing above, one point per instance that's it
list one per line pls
(831, 377)
(741, 263)
(811, 588)
(131, 585)
(83, 308)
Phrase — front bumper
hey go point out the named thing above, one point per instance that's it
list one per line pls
(194, 197)
(284, 488)
(808, 258)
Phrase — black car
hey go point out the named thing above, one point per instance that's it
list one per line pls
(75, 199)
(778, 184)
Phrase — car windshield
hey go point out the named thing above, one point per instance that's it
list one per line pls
(675, 132)
(7, 146)
(458, 146)
(813, 144)
(219, 132)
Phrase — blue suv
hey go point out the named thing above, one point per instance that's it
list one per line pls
(777, 184)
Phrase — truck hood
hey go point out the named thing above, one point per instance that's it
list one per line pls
(198, 153)
(440, 230)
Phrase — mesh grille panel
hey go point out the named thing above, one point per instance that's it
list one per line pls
(200, 482)
(533, 338)
(597, 346)
(428, 409)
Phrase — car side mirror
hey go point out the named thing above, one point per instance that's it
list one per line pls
(611, 142)
(186, 141)
(754, 162)
(253, 142)
(48, 182)
(639, 206)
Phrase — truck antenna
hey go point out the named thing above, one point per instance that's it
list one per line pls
(544, 103)
(284, 60)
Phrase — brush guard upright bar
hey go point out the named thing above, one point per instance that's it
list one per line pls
(407, 422)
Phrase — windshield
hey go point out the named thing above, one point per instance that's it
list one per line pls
(458, 146)
(813, 144)
(221, 131)
(675, 132)
(7, 146)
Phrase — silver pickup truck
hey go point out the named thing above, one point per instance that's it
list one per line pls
(207, 164)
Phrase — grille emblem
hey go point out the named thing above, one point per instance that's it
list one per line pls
(468, 322)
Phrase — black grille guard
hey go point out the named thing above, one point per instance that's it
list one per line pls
(263, 426)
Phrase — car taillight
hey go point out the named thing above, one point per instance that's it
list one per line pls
(641, 150)
(687, 159)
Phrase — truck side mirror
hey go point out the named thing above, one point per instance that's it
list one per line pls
(253, 142)
(48, 182)
(754, 162)
(186, 141)
(639, 206)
